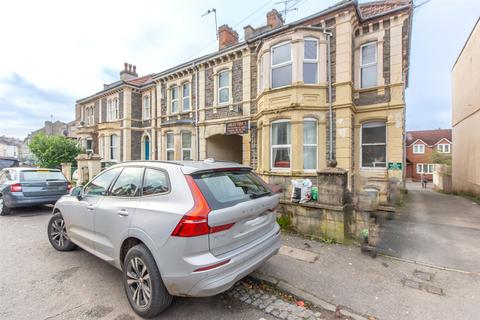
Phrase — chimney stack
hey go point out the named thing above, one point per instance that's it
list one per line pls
(274, 19)
(129, 72)
(226, 37)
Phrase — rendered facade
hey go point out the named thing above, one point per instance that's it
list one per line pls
(466, 116)
(267, 101)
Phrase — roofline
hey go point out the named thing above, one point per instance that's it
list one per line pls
(105, 91)
(465, 44)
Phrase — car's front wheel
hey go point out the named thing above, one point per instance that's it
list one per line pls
(4, 210)
(57, 234)
(143, 284)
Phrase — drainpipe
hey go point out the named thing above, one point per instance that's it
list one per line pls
(328, 34)
(197, 96)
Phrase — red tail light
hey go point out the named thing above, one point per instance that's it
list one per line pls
(213, 266)
(195, 222)
(17, 187)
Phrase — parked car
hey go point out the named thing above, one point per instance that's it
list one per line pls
(8, 162)
(25, 187)
(191, 228)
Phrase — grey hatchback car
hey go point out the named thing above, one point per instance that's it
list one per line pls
(24, 187)
(190, 228)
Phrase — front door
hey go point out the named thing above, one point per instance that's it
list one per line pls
(147, 148)
(79, 216)
(114, 213)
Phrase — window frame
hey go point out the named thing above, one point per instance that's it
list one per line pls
(186, 97)
(418, 151)
(362, 144)
(310, 61)
(362, 65)
(113, 150)
(441, 148)
(422, 165)
(315, 121)
(272, 67)
(277, 146)
(219, 89)
(146, 109)
(139, 190)
(186, 149)
(107, 190)
(176, 100)
(167, 149)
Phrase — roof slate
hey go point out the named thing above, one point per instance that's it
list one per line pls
(430, 137)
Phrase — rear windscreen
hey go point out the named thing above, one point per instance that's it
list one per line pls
(4, 163)
(227, 188)
(41, 175)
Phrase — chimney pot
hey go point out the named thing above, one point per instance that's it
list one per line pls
(130, 68)
(134, 69)
(126, 66)
(226, 37)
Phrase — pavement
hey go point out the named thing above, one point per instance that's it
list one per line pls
(434, 228)
(383, 288)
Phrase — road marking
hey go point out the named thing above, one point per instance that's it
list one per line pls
(298, 254)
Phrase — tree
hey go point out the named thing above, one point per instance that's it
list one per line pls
(441, 158)
(51, 151)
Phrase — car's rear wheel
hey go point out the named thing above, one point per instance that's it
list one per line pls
(4, 210)
(143, 284)
(57, 234)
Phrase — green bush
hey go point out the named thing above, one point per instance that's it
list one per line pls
(51, 151)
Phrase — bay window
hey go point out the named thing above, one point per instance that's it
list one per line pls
(309, 144)
(310, 61)
(186, 146)
(170, 146)
(223, 87)
(368, 65)
(374, 145)
(281, 147)
(146, 108)
(174, 99)
(281, 65)
(186, 96)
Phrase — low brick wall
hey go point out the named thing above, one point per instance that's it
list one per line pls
(338, 223)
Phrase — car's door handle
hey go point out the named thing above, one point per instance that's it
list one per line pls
(122, 212)
(90, 207)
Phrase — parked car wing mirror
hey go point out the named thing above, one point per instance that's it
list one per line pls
(77, 192)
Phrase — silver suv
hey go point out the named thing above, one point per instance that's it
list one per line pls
(191, 228)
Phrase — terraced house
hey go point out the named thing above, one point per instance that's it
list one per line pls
(285, 100)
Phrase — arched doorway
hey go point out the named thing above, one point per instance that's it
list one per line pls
(146, 148)
(224, 147)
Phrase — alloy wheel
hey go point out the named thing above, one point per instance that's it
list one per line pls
(59, 233)
(139, 282)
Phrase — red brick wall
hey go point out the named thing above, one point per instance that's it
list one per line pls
(415, 158)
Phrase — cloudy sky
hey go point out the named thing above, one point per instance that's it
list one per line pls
(54, 52)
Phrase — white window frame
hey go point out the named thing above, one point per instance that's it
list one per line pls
(186, 149)
(372, 144)
(444, 148)
(362, 65)
(101, 150)
(416, 148)
(310, 61)
(172, 100)
(272, 66)
(280, 146)
(113, 110)
(311, 145)
(188, 108)
(114, 149)
(91, 145)
(172, 148)
(219, 89)
(422, 166)
(147, 110)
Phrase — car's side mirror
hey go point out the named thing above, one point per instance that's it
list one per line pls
(77, 192)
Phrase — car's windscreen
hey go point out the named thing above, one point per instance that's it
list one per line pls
(41, 175)
(227, 188)
(4, 163)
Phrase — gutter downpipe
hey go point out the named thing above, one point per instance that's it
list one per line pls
(328, 34)
(197, 97)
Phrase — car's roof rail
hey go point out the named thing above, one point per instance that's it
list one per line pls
(156, 161)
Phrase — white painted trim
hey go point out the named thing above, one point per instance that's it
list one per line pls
(361, 147)
(368, 64)
(280, 146)
(290, 62)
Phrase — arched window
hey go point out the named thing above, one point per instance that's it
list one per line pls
(374, 144)
(281, 148)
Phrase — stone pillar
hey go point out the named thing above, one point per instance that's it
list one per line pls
(88, 167)
(67, 170)
(332, 186)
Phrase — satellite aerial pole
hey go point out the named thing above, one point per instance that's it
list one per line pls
(214, 11)
(287, 8)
